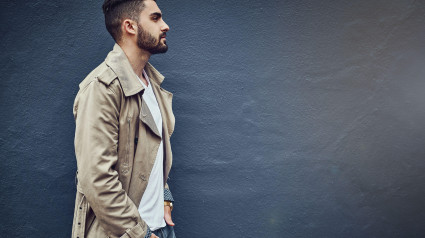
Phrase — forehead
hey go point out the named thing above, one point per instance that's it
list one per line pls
(150, 7)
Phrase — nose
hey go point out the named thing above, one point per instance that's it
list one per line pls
(165, 27)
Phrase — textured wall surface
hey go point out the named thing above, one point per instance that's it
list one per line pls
(294, 118)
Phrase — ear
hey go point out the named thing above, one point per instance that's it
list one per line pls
(129, 27)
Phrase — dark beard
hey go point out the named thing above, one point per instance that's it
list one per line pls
(147, 42)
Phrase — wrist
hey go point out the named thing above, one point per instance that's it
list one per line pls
(148, 233)
(169, 204)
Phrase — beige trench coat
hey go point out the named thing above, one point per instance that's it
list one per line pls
(116, 141)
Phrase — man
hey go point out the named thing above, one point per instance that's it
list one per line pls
(124, 122)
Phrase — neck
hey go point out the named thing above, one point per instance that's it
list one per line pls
(137, 57)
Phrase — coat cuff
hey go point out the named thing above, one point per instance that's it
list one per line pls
(136, 231)
(167, 195)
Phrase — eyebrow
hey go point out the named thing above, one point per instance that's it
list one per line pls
(157, 14)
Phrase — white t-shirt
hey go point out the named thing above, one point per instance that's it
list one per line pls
(151, 206)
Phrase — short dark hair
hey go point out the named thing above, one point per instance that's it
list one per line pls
(116, 11)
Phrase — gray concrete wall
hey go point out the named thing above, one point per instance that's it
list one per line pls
(294, 118)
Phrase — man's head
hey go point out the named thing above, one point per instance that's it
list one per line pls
(138, 21)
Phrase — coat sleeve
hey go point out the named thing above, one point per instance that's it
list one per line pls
(96, 141)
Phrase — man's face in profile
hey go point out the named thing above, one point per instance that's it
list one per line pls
(151, 36)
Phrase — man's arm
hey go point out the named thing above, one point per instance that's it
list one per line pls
(96, 140)
(167, 209)
(167, 194)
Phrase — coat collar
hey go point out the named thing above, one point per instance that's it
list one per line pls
(119, 63)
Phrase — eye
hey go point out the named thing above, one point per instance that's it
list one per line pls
(156, 16)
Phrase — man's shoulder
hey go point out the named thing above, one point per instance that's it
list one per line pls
(102, 73)
(99, 85)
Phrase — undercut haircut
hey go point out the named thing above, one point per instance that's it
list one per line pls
(116, 11)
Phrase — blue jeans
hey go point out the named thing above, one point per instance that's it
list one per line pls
(165, 232)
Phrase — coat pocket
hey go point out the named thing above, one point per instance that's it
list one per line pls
(95, 230)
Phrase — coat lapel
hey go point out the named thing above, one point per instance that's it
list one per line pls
(147, 118)
(164, 99)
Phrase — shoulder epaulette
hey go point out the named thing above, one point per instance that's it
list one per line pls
(107, 76)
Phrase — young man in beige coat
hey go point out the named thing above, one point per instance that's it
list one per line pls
(124, 122)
